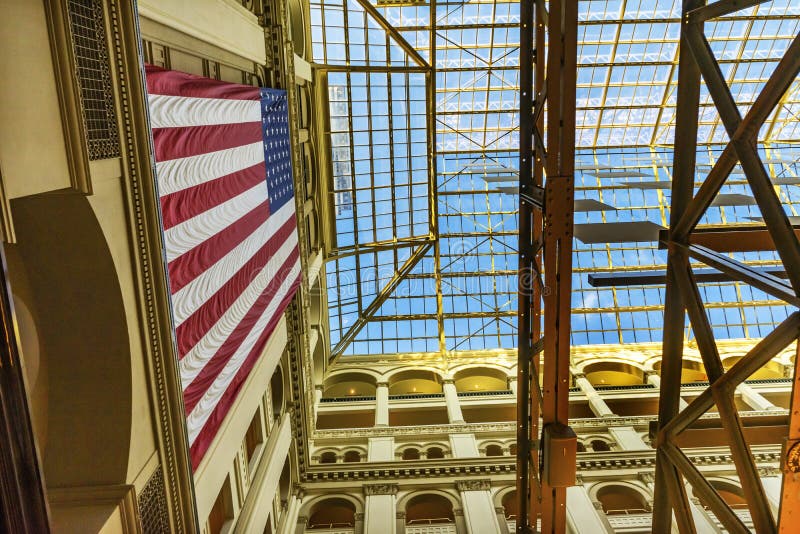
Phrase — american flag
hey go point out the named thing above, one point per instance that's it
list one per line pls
(225, 183)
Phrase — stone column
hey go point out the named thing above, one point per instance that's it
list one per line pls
(476, 500)
(461, 524)
(358, 518)
(754, 399)
(655, 379)
(300, 524)
(382, 404)
(380, 510)
(772, 479)
(596, 402)
(451, 398)
(512, 384)
(582, 516)
(501, 519)
(464, 445)
(627, 438)
(401, 522)
(380, 449)
(317, 399)
(293, 510)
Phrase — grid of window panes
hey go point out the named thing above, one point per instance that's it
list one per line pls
(627, 71)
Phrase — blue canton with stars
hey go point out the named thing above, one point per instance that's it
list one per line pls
(277, 152)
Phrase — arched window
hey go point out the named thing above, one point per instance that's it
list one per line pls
(411, 454)
(331, 514)
(494, 450)
(479, 379)
(510, 508)
(428, 509)
(435, 452)
(345, 385)
(598, 445)
(618, 499)
(730, 493)
(276, 385)
(285, 482)
(415, 382)
(352, 456)
(328, 458)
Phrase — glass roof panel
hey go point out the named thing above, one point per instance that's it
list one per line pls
(425, 254)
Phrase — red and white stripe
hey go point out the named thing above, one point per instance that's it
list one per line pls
(233, 265)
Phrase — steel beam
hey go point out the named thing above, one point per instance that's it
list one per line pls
(708, 246)
(546, 230)
(385, 292)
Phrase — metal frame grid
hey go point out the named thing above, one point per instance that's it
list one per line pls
(425, 258)
(684, 241)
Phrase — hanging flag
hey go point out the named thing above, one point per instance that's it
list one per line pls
(224, 173)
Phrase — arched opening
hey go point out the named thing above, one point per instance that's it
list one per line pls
(691, 371)
(768, 370)
(415, 382)
(78, 346)
(617, 499)
(327, 458)
(613, 374)
(730, 493)
(512, 449)
(297, 27)
(481, 379)
(285, 482)
(352, 456)
(332, 513)
(276, 387)
(434, 453)
(581, 447)
(349, 385)
(510, 508)
(429, 509)
(411, 454)
(598, 445)
(494, 450)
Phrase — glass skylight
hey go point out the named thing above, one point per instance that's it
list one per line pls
(425, 256)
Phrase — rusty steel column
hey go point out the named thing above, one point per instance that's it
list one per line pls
(684, 241)
(546, 229)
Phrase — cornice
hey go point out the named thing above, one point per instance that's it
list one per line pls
(142, 207)
(578, 425)
(767, 458)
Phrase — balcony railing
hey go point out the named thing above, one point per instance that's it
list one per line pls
(496, 393)
(622, 520)
(431, 526)
(331, 528)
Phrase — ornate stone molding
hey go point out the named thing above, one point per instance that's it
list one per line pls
(448, 381)
(458, 512)
(380, 489)
(142, 207)
(480, 484)
(400, 515)
(647, 478)
(358, 516)
(382, 384)
(302, 519)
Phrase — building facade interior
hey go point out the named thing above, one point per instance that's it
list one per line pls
(385, 400)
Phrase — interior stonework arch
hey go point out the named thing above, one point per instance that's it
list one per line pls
(63, 261)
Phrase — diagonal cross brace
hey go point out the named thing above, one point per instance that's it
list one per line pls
(776, 86)
(777, 221)
(380, 298)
